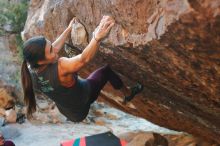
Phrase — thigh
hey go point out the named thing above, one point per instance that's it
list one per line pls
(97, 81)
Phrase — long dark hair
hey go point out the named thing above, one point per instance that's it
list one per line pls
(33, 51)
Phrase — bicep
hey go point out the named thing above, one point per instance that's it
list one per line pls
(71, 65)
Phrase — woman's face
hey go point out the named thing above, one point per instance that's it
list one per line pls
(50, 55)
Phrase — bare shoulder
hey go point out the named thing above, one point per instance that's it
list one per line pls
(62, 67)
(70, 65)
(62, 61)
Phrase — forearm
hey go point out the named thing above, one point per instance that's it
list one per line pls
(58, 44)
(74, 64)
(90, 51)
(101, 31)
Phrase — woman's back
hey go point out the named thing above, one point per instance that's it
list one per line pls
(73, 99)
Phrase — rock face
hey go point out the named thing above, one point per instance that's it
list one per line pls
(79, 36)
(6, 100)
(140, 138)
(171, 46)
(150, 139)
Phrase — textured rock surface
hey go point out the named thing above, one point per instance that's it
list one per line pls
(139, 138)
(172, 46)
(9, 71)
(79, 36)
(6, 100)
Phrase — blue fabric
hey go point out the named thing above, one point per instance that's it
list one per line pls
(76, 142)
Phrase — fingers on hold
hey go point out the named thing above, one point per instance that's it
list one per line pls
(101, 25)
(106, 18)
(107, 24)
(110, 26)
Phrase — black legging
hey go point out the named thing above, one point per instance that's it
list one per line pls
(99, 78)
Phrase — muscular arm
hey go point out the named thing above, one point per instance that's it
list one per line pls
(59, 42)
(74, 64)
(71, 65)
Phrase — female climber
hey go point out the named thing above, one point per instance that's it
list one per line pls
(57, 77)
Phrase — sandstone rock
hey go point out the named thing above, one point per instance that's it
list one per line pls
(99, 113)
(171, 46)
(78, 35)
(112, 116)
(10, 68)
(2, 112)
(43, 105)
(185, 139)
(11, 116)
(7, 116)
(47, 112)
(148, 139)
(6, 100)
(100, 122)
(56, 116)
(139, 138)
(40, 118)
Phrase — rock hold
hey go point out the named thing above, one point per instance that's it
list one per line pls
(79, 35)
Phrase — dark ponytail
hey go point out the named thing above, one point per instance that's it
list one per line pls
(29, 96)
(34, 50)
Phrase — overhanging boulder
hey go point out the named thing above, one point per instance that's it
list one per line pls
(171, 46)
